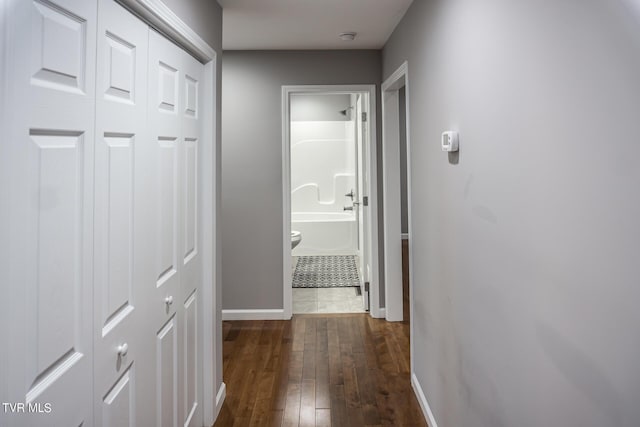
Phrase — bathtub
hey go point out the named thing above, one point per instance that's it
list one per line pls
(325, 233)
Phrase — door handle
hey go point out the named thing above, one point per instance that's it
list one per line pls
(123, 349)
(168, 300)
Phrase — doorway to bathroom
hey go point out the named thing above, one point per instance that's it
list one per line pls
(327, 150)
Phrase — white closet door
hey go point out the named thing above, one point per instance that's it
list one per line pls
(190, 254)
(48, 288)
(123, 244)
(175, 108)
(165, 135)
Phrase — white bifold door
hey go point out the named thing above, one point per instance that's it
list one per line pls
(175, 107)
(49, 147)
(123, 246)
(104, 205)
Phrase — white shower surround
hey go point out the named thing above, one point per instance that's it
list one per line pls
(322, 172)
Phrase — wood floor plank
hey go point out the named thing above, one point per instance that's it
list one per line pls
(261, 413)
(298, 331)
(291, 416)
(335, 361)
(323, 417)
(308, 404)
(323, 400)
(338, 407)
(276, 418)
(296, 364)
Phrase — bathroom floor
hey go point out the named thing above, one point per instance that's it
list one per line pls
(326, 300)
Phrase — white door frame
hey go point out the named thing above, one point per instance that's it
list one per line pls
(157, 15)
(392, 203)
(287, 91)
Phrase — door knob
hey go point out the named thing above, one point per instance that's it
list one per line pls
(123, 349)
(168, 300)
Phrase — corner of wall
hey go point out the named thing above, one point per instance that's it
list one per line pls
(422, 400)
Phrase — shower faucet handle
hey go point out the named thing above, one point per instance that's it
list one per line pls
(350, 194)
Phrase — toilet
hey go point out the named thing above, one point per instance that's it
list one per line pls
(296, 238)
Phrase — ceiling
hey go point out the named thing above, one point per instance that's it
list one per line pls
(308, 24)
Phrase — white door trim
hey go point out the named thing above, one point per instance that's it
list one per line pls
(156, 14)
(398, 79)
(392, 208)
(286, 189)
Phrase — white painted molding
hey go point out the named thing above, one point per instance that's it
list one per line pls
(405, 236)
(220, 396)
(391, 185)
(260, 314)
(211, 328)
(398, 75)
(382, 313)
(422, 400)
(163, 19)
(376, 313)
(395, 81)
(287, 292)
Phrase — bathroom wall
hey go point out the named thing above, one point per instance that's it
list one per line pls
(525, 244)
(252, 160)
(320, 107)
(323, 165)
(323, 162)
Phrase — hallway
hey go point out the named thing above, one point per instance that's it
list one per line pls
(338, 370)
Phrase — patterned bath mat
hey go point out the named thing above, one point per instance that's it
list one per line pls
(326, 272)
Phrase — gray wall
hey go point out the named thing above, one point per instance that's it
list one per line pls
(205, 18)
(252, 160)
(526, 252)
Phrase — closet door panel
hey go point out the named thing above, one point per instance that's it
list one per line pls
(165, 106)
(175, 117)
(124, 337)
(50, 141)
(191, 282)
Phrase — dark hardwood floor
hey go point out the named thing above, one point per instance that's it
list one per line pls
(319, 370)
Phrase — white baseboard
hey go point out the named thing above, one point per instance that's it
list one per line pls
(277, 314)
(382, 313)
(424, 405)
(376, 314)
(222, 393)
